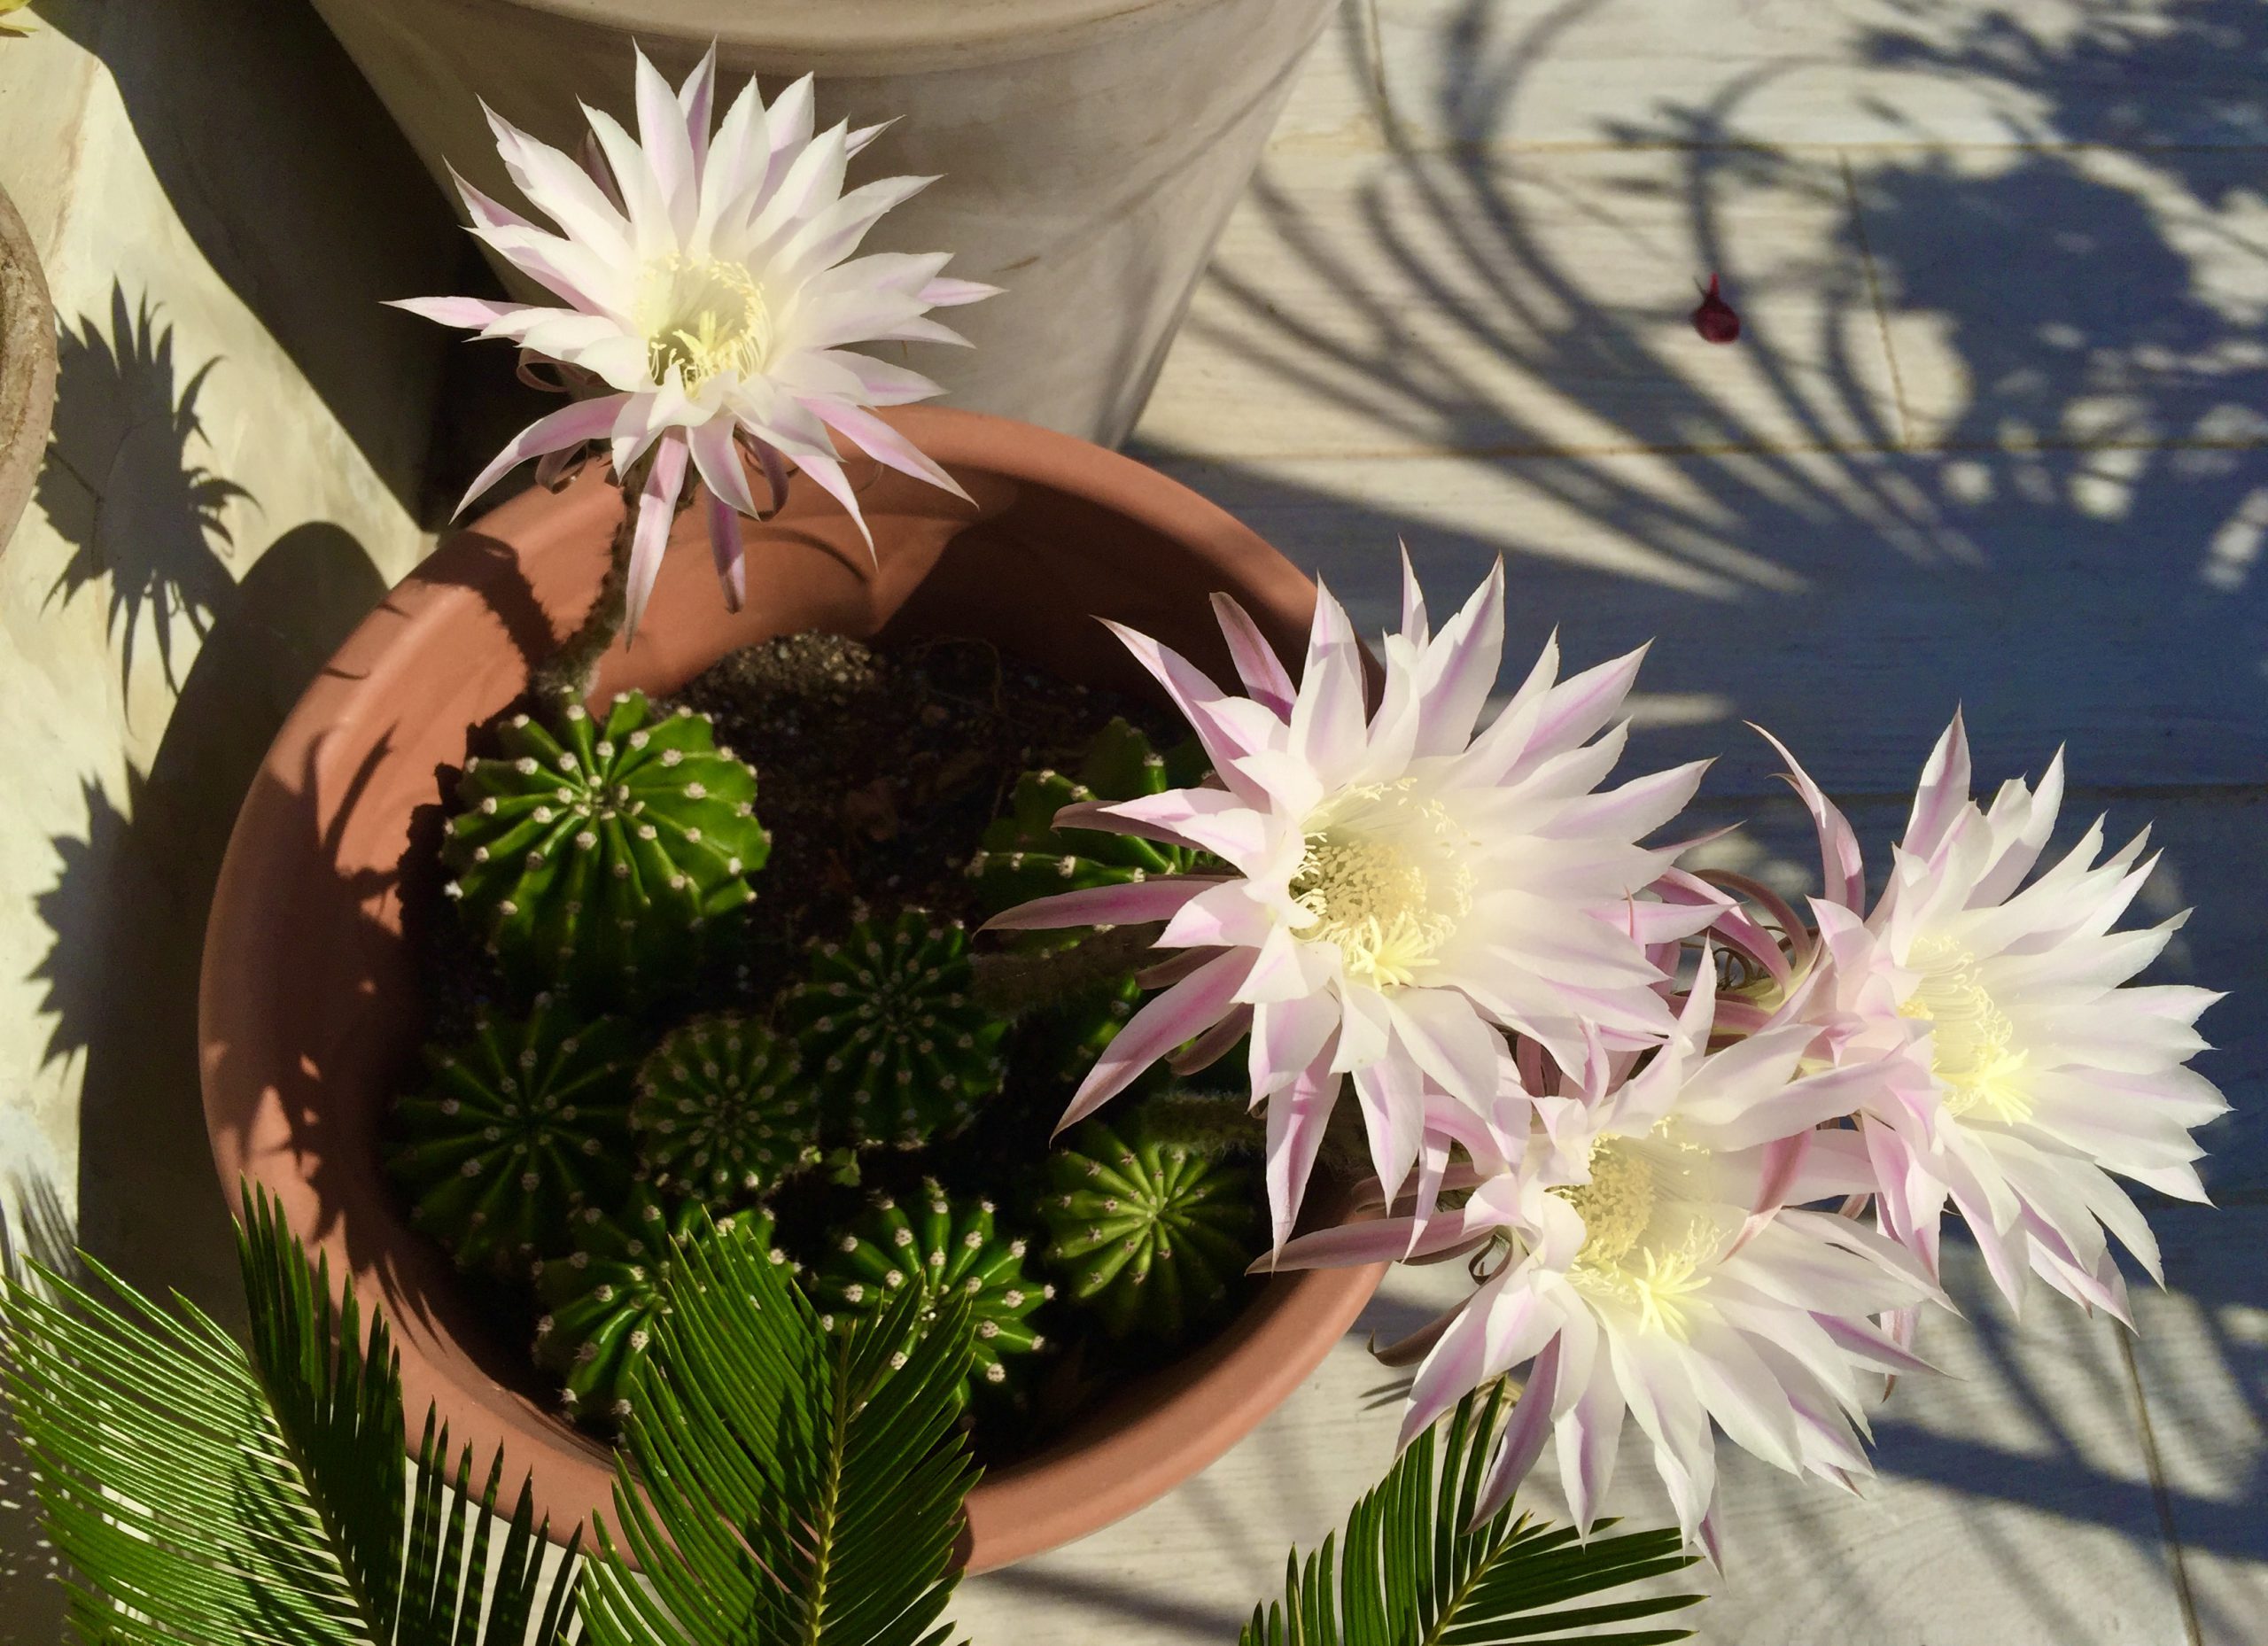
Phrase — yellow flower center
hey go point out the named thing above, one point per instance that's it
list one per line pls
(1384, 882)
(701, 317)
(1633, 1256)
(1616, 1204)
(1970, 1039)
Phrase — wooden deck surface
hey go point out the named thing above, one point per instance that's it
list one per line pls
(1996, 433)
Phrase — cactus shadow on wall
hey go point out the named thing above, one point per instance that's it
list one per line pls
(299, 194)
(123, 484)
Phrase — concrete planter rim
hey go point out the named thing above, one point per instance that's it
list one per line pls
(895, 34)
(26, 367)
(304, 997)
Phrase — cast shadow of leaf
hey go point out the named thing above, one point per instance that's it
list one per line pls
(124, 485)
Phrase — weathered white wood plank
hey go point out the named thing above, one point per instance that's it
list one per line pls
(1849, 603)
(2037, 297)
(2156, 72)
(1339, 102)
(1192, 1566)
(2014, 1506)
(2202, 1356)
(1365, 304)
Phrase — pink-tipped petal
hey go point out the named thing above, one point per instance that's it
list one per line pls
(1416, 627)
(558, 187)
(1296, 1118)
(946, 292)
(657, 510)
(863, 138)
(1943, 793)
(1211, 713)
(1522, 1441)
(1877, 1349)
(1588, 1439)
(1462, 1358)
(1265, 679)
(1449, 1040)
(473, 313)
(1581, 706)
(827, 473)
(886, 446)
(484, 212)
(1136, 902)
(1843, 872)
(1460, 668)
(1394, 1116)
(725, 548)
(1349, 1245)
(696, 101)
(568, 426)
(1287, 1035)
(1191, 1005)
(667, 143)
(717, 456)
(1329, 717)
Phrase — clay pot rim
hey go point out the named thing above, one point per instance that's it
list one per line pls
(1117, 1462)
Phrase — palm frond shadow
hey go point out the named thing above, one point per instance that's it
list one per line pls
(2095, 373)
(2058, 521)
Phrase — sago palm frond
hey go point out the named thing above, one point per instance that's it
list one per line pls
(790, 1487)
(208, 1496)
(1413, 1570)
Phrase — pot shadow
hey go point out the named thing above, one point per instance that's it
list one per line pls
(128, 913)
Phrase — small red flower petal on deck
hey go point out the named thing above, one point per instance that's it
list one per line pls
(1715, 319)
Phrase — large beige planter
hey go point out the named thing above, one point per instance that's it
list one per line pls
(1090, 148)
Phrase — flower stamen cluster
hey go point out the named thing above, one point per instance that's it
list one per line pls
(1971, 1040)
(702, 318)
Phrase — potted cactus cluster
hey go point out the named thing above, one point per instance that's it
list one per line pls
(1010, 995)
(685, 907)
(663, 1025)
(717, 956)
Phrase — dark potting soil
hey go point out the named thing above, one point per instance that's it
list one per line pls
(877, 772)
(877, 775)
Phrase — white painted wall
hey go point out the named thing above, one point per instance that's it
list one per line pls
(239, 450)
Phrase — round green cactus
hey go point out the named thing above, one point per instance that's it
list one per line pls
(602, 1299)
(943, 1248)
(600, 858)
(889, 1034)
(520, 1127)
(723, 1109)
(1148, 1233)
(1025, 856)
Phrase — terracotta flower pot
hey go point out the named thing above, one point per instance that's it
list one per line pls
(1090, 149)
(26, 366)
(309, 1010)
